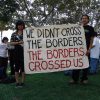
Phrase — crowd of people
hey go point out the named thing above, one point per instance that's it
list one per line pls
(13, 51)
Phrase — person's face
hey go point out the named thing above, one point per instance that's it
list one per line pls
(85, 20)
(5, 41)
(20, 27)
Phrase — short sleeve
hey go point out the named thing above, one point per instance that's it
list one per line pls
(94, 42)
(12, 37)
(92, 31)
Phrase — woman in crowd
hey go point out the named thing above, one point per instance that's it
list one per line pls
(17, 41)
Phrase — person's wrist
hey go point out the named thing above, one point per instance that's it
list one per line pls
(89, 49)
(18, 42)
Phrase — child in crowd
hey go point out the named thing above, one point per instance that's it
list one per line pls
(3, 59)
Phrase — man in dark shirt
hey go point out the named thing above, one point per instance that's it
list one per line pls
(89, 34)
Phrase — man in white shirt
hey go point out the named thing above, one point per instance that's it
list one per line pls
(94, 55)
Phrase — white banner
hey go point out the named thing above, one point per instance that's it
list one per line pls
(54, 48)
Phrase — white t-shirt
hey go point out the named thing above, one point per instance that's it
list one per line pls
(3, 50)
(95, 51)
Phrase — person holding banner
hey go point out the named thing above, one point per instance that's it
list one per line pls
(89, 35)
(17, 41)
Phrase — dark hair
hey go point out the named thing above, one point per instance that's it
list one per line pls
(5, 38)
(95, 34)
(19, 22)
(86, 16)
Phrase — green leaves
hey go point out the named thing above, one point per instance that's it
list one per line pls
(7, 8)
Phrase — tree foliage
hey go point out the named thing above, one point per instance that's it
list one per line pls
(47, 12)
(7, 8)
(42, 12)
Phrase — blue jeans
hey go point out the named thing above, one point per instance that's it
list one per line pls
(93, 65)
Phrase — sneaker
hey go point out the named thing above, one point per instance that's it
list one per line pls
(21, 84)
(17, 85)
(73, 82)
(84, 82)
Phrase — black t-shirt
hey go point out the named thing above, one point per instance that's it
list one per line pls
(18, 48)
(89, 32)
(16, 37)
